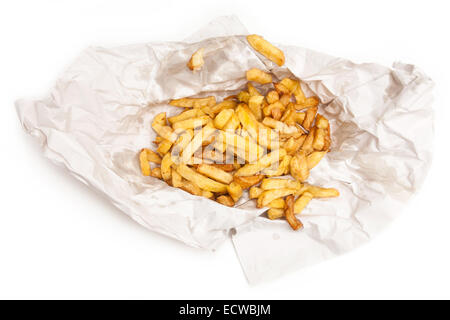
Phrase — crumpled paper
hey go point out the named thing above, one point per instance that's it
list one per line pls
(97, 117)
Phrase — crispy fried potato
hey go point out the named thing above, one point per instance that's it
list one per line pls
(225, 200)
(281, 169)
(271, 184)
(285, 99)
(252, 90)
(290, 84)
(274, 213)
(152, 156)
(269, 195)
(166, 163)
(188, 114)
(272, 97)
(227, 167)
(182, 141)
(207, 194)
(177, 180)
(194, 102)
(302, 202)
(311, 102)
(254, 104)
(319, 139)
(200, 180)
(160, 128)
(318, 192)
(255, 192)
(191, 123)
(289, 213)
(321, 122)
(196, 62)
(293, 144)
(222, 118)
(164, 147)
(235, 141)
(279, 126)
(281, 89)
(197, 142)
(266, 49)
(143, 160)
(247, 181)
(277, 203)
(214, 110)
(235, 191)
(299, 167)
(156, 173)
(314, 158)
(244, 96)
(259, 76)
(307, 144)
(299, 95)
(192, 188)
(309, 118)
(232, 124)
(215, 173)
(264, 162)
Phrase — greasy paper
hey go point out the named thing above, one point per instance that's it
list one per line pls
(97, 117)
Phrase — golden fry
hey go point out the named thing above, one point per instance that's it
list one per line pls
(225, 200)
(302, 202)
(254, 104)
(223, 117)
(299, 167)
(215, 173)
(164, 147)
(194, 102)
(264, 162)
(318, 192)
(197, 142)
(314, 158)
(290, 216)
(309, 118)
(188, 114)
(272, 97)
(274, 213)
(145, 166)
(277, 203)
(255, 192)
(196, 62)
(248, 181)
(271, 184)
(191, 123)
(269, 195)
(166, 163)
(160, 128)
(177, 180)
(235, 191)
(259, 76)
(200, 180)
(266, 49)
(319, 139)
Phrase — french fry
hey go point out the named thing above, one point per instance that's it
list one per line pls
(310, 102)
(285, 99)
(225, 200)
(299, 95)
(166, 163)
(264, 162)
(269, 195)
(277, 203)
(232, 124)
(244, 96)
(252, 90)
(266, 49)
(318, 192)
(177, 180)
(254, 104)
(152, 156)
(302, 202)
(307, 144)
(192, 188)
(293, 144)
(215, 173)
(299, 166)
(143, 160)
(207, 194)
(319, 139)
(271, 184)
(194, 102)
(314, 158)
(279, 126)
(248, 181)
(255, 192)
(248, 120)
(200, 180)
(309, 118)
(160, 128)
(235, 141)
(197, 141)
(235, 191)
(222, 118)
(164, 147)
(196, 62)
(321, 122)
(214, 110)
(281, 89)
(182, 141)
(290, 84)
(289, 213)
(188, 114)
(282, 168)
(259, 76)
(274, 213)
(272, 97)
(191, 123)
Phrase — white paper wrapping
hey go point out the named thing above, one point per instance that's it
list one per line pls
(98, 115)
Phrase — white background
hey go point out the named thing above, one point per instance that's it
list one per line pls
(60, 240)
